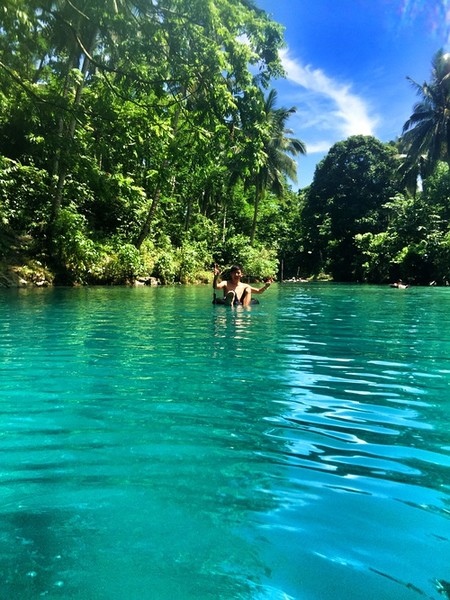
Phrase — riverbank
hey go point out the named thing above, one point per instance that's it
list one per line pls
(30, 273)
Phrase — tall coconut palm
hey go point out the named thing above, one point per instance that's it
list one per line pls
(426, 134)
(278, 150)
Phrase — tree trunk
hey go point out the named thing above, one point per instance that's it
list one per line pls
(145, 229)
(61, 166)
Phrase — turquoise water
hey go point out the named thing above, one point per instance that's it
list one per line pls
(154, 446)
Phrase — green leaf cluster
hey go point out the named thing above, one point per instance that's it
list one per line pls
(143, 139)
(134, 125)
(359, 223)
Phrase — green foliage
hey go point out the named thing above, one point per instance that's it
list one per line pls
(75, 251)
(436, 195)
(346, 198)
(204, 230)
(377, 257)
(257, 261)
(140, 139)
(193, 258)
(189, 263)
(266, 158)
(86, 261)
(425, 139)
(261, 263)
(234, 250)
(124, 265)
(167, 267)
(24, 193)
(414, 245)
(134, 103)
(112, 204)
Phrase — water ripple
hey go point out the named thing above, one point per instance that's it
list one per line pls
(297, 449)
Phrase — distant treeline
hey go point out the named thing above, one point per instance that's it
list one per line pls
(144, 139)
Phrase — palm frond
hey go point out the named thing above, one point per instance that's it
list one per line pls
(427, 131)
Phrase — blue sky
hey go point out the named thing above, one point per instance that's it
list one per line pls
(347, 63)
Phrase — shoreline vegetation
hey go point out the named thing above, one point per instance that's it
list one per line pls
(29, 273)
(139, 145)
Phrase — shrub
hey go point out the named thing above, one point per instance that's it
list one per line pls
(193, 257)
(166, 267)
(24, 196)
(75, 251)
(124, 264)
(257, 262)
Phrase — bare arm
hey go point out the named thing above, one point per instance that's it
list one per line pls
(261, 289)
(217, 285)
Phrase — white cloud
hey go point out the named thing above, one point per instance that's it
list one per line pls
(327, 105)
(319, 147)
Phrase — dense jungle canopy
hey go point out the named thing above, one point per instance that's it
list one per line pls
(143, 138)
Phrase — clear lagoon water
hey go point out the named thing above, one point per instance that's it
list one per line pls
(154, 446)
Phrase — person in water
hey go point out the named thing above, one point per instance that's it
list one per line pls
(399, 285)
(234, 290)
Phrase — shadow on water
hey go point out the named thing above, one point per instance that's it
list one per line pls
(155, 446)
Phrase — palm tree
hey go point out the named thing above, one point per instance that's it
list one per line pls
(278, 150)
(426, 134)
